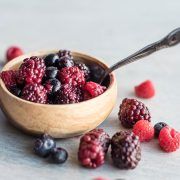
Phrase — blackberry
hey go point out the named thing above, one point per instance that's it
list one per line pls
(44, 145)
(52, 85)
(66, 53)
(126, 150)
(64, 61)
(9, 78)
(59, 155)
(68, 95)
(51, 59)
(131, 111)
(34, 93)
(157, 128)
(51, 72)
(73, 76)
(92, 89)
(83, 67)
(31, 70)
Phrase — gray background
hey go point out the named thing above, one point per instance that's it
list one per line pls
(110, 30)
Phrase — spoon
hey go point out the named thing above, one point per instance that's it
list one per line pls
(172, 39)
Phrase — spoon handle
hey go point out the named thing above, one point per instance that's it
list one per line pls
(172, 39)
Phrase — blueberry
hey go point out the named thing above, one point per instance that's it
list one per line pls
(59, 155)
(44, 145)
(64, 61)
(50, 60)
(51, 72)
(158, 126)
(52, 85)
(16, 91)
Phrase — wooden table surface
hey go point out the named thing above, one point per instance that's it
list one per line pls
(110, 30)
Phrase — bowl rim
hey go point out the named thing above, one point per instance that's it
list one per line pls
(46, 52)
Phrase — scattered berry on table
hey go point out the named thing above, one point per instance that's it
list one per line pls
(126, 150)
(144, 130)
(34, 93)
(13, 52)
(66, 53)
(145, 90)
(52, 85)
(51, 72)
(44, 145)
(9, 78)
(31, 70)
(131, 111)
(158, 126)
(72, 76)
(59, 155)
(83, 67)
(68, 95)
(51, 59)
(169, 139)
(64, 62)
(92, 89)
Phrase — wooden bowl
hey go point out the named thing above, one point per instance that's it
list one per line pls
(60, 121)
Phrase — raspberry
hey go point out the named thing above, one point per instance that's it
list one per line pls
(169, 139)
(126, 150)
(144, 129)
(73, 76)
(66, 53)
(131, 111)
(157, 128)
(13, 52)
(31, 70)
(145, 90)
(92, 89)
(68, 95)
(93, 147)
(85, 69)
(9, 78)
(34, 93)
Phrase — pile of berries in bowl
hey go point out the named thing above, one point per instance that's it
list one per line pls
(53, 79)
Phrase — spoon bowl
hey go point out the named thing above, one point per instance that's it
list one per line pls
(59, 121)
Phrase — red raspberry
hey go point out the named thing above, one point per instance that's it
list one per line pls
(72, 76)
(31, 70)
(92, 89)
(131, 111)
(144, 129)
(9, 78)
(169, 139)
(145, 90)
(13, 52)
(34, 93)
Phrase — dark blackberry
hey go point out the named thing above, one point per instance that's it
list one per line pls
(83, 67)
(15, 90)
(44, 145)
(51, 59)
(126, 150)
(66, 53)
(31, 70)
(52, 85)
(131, 111)
(157, 128)
(51, 72)
(72, 76)
(34, 93)
(59, 155)
(64, 61)
(68, 95)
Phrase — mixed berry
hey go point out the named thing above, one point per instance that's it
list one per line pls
(54, 79)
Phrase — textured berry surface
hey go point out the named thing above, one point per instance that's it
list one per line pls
(158, 126)
(52, 85)
(145, 90)
(72, 76)
(68, 95)
(144, 130)
(169, 139)
(83, 67)
(34, 93)
(51, 72)
(31, 70)
(64, 61)
(44, 145)
(51, 59)
(9, 78)
(131, 111)
(126, 150)
(13, 52)
(92, 89)
(65, 52)
(59, 155)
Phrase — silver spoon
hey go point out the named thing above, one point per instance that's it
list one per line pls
(172, 39)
